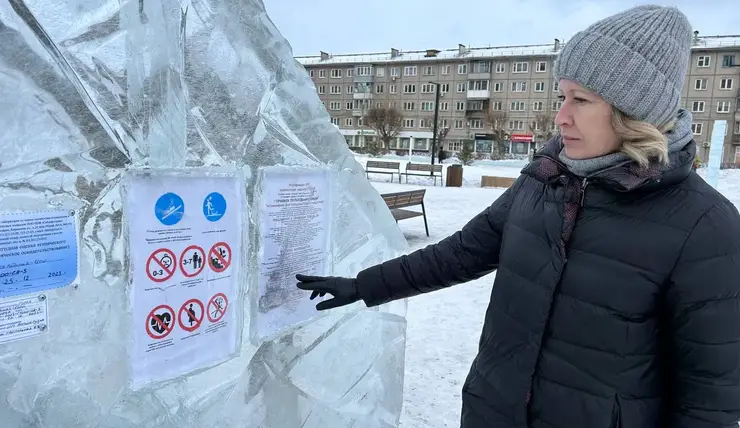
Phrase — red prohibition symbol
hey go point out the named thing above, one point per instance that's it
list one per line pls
(219, 257)
(160, 266)
(191, 315)
(160, 322)
(217, 307)
(192, 261)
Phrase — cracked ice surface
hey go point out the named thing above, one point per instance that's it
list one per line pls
(91, 87)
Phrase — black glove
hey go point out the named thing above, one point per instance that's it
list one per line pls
(344, 290)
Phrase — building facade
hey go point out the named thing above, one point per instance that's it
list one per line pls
(502, 100)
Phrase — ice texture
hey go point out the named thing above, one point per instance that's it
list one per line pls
(89, 88)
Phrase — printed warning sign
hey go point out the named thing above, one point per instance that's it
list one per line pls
(185, 235)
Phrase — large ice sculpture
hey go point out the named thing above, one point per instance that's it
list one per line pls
(90, 88)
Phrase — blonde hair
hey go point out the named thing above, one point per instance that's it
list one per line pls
(641, 141)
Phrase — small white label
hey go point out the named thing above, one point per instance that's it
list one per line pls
(23, 318)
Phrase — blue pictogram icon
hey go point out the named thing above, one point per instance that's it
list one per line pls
(169, 209)
(214, 206)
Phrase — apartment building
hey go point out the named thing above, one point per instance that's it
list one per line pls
(507, 88)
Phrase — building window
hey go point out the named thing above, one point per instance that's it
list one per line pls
(497, 106)
(696, 128)
(364, 70)
(536, 126)
(444, 106)
(556, 105)
(335, 121)
(723, 107)
(478, 85)
(520, 67)
(310, 73)
(335, 105)
(380, 71)
(737, 128)
(700, 84)
(498, 87)
(519, 86)
(322, 74)
(537, 106)
(555, 86)
(539, 86)
(728, 61)
(350, 72)
(409, 89)
(461, 87)
(348, 106)
(444, 88)
(394, 72)
(336, 89)
(446, 69)
(460, 106)
(517, 106)
(409, 70)
(500, 67)
(444, 123)
(476, 124)
(725, 84)
(336, 73)
(350, 89)
(424, 123)
(541, 67)
(428, 70)
(516, 125)
(481, 67)
(379, 89)
(458, 124)
(348, 121)
(392, 89)
(697, 106)
(407, 105)
(462, 69)
(428, 88)
(408, 123)
(427, 106)
(703, 61)
(322, 89)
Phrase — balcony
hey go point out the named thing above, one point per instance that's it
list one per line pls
(362, 95)
(362, 79)
(479, 76)
(479, 94)
(357, 113)
(736, 139)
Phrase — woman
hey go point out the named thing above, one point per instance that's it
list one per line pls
(616, 302)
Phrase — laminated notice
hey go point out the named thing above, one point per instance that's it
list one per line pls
(38, 251)
(22, 318)
(185, 245)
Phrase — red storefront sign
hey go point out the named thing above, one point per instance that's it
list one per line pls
(521, 138)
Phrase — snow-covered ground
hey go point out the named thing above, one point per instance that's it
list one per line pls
(444, 327)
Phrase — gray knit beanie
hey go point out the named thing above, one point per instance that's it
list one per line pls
(636, 60)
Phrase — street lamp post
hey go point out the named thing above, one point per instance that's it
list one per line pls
(436, 116)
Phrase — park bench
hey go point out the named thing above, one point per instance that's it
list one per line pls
(423, 170)
(493, 181)
(381, 167)
(397, 202)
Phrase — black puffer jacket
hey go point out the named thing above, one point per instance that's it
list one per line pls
(616, 302)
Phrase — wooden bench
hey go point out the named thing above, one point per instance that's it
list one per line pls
(398, 201)
(380, 167)
(491, 181)
(423, 170)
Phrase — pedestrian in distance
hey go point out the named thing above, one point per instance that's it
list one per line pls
(616, 302)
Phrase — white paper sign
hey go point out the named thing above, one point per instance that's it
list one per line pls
(23, 318)
(295, 226)
(186, 243)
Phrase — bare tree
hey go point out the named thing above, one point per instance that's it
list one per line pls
(387, 124)
(442, 132)
(542, 127)
(497, 121)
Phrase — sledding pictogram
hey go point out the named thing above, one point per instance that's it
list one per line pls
(191, 315)
(160, 266)
(219, 257)
(160, 322)
(217, 307)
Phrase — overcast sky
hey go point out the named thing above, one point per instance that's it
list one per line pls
(345, 26)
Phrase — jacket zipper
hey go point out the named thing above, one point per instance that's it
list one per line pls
(583, 191)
